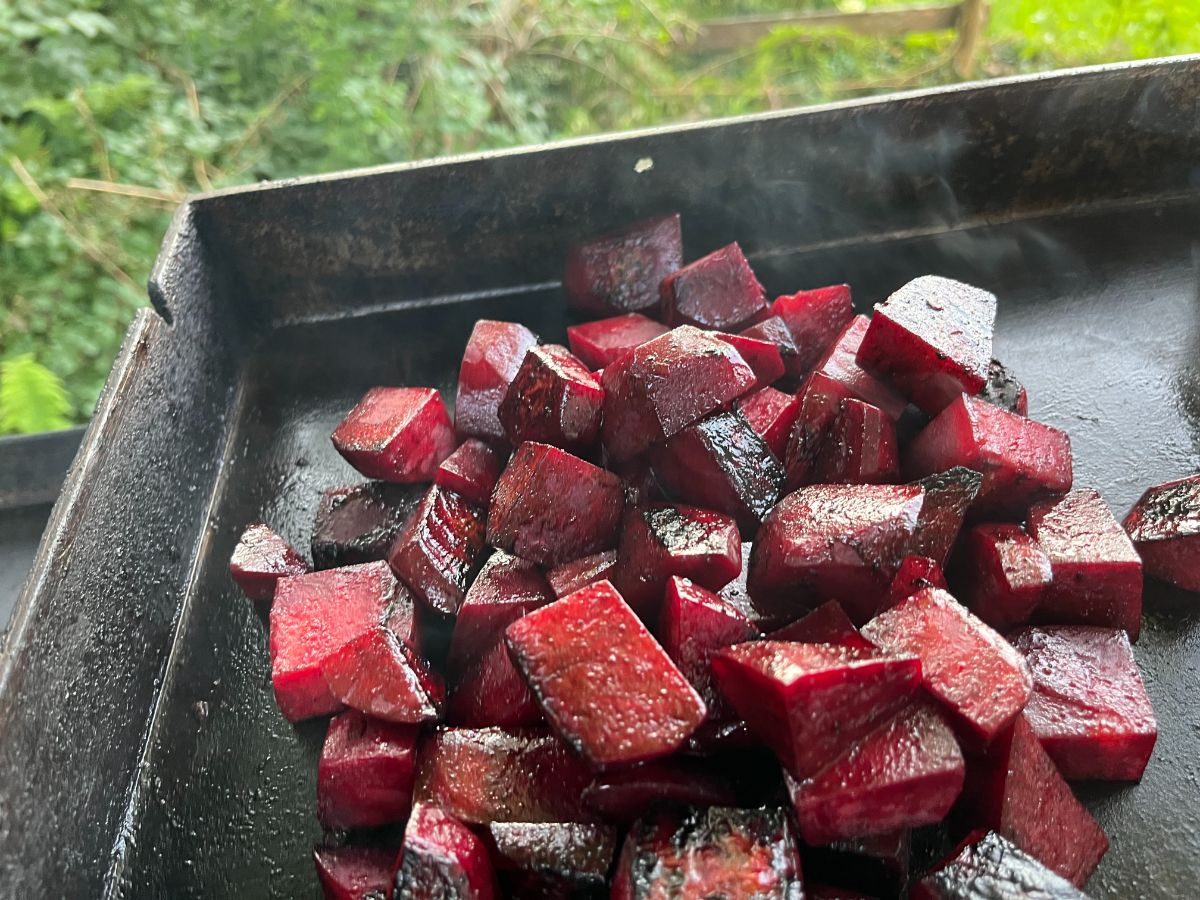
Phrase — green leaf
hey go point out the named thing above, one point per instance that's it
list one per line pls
(32, 398)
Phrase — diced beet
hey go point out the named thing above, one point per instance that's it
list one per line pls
(626, 794)
(551, 507)
(811, 702)
(990, 866)
(442, 859)
(1017, 791)
(260, 559)
(365, 776)
(492, 691)
(721, 463)
(948, 496)
(840, 364)
(1165, 528)
(906, 773)
(860, 447)
(603, 682)
(816, 319)
(553, 399)
(562, 856)
(641, 484)
(1096, 574)
(359, 523)
(352, 873)
(665, 385)
(621, 271)
(439, 549)
(378, 675)
(471, 471)
(716, 291)
(835, 542)
(1089, 707)
(399, 434)
(762, 356)
(483, 775)
(915, 574)
(314, 616)
(494, 353)
(827, 624)
(660, 540)
(603, 342)
(579, 573)
(1004, 390)
(771, 413)
(1022, 461)
(710, 852)
(972, 671)
(877, 863)
(1001, 574)
(775, 331)
(818, 402)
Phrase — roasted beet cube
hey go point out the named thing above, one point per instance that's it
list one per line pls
(313, 617)
(570, 858)
(365, 776)
(665, 385)
(659, 540)
(827, 624)
(948, 496)
(860, 447)
(721, 463)
(717, 291)
(1165, 528)
(260, 559)
(603, 342)
(621, 271)
(835, 542)
(841, 365)
(551, 507)
(915, 574)
(397, 434)
(439, 549)
(819, 401)
(495, 351)
(761, 355)
(771, 413)
(816, 319)
(710, 852)
(1089, 707)
(990, 866)
(877, 863)
(492, 691)
(442, 859)
(972, 671)
(377, 674)
(603, 682)
(626, 794)
(775, 331)
(1022, 461)
(579, 573)
(352, 873)
(1096, 574)
(1004, 390)
(1001, 574)
(471, 471)
(359, 523)
(554, 399)
(907, 772)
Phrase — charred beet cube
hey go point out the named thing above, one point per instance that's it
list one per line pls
(827, 624)
(443, 858)
(352, 873)
(626, 794)
(570, 859)
(819, 401)
(1165, 528)
(397, 434)
(1004, 390)
(717, 291)
(665, 385)
(621, 271)
(551, 507)
(365, 776)
(860, 447)
(1001, 574)
(763, 356)
(775, 331)
(771, 413)
(1089, 707)
(915, 574)
(359, 523)
(710, 852)
(948, 496)
(815, 318)
(492, 691)
(379, 675)
(603, 342)
(579, 573)
(439, 549)
(1096, 574)
(471, 471)
(260, 559)
(553, 399)
(990, 866)
(495, 351)
(841, 365)
(603, 682)
(878, 864)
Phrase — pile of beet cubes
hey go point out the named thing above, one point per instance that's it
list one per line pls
(729, 598)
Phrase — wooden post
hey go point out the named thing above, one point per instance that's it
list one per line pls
(972, 17)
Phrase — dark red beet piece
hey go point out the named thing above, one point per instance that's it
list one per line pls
(840, 364)
(579, 573)
(352, 873)
(1004, 390)
(1096, 574)
(603, 342)
(399, 434)
(641, 484)
(378, 675)
(717, 291)
(494, 353)
(827, 624)
(442, 859)
(603, 682)
(621, 271)
(553, 399)
(1089, 707)
(907, 772)
(365, 776)
(818, 402)
(710, 852)
(471, 471)
(1022, 461)
(860, 447)
(987, 867)
(359, 523)
(665, 385)
(439, 549)
(878, 864)
(492, 691)
(775, 331)
(1165, 528)
(567, 857)
(1001, 574)
(816, 319)
(915, 574)
(772, 414)
(626, 794)
(761, 355)
(260, 559)
(551, 507)
(948, 496)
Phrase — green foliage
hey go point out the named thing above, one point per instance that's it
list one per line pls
(31, 397)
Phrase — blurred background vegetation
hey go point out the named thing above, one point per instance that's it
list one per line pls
(112, 110)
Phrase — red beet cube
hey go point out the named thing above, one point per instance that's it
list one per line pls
(878, 863)
(907, 772)
(827, 624)
(579, 573)
(365, 776)
(396, 434)
(1004, 390)
(495, 351)
(603, 342)
(626, 794)
(260, 559)
(351, 873)
(990, 866)
(551, 507)
(313, 617)
(816, 319)
(603, 682)
(840, 364)
(471, 471)
(771, 413)
(860, 447)
(666, 384)
(948, 496)
(443, 858)
(915, 574)
(439, 549)
(554, 399)
(1001, 574)
(621, 271)
(1089, 707)
(775, 331)
(492, 691)
(717, 291)
(1096, 574)
(972, 671)
(359, 523)
(1165, 528)
(761, 355)
(819, 402)
(568, 859)
(1021, 461)
(377, 674)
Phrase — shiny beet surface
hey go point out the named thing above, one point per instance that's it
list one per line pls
(840, 364)
(365, 776)
(471, 471)
(494, 353)
(351, 873)
(620, 271)
(603, 342)
(816, 319)
(569, 855)
(377, 674)
(359, 523)
(859, 448)
(260, 559)
(717, 291)
(443, 860)
(579, 573)
(1004, 390)
(399, 434)
(993, 868)
(774, 330)
(553, 399)
(771, 413)
(625, 794)
(827, 624)
(761, 354)
(492, 691)
(1001, 574)
(948, 496)
(439, 550)
(818, 402)
(915, 574)
(1165, 528)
